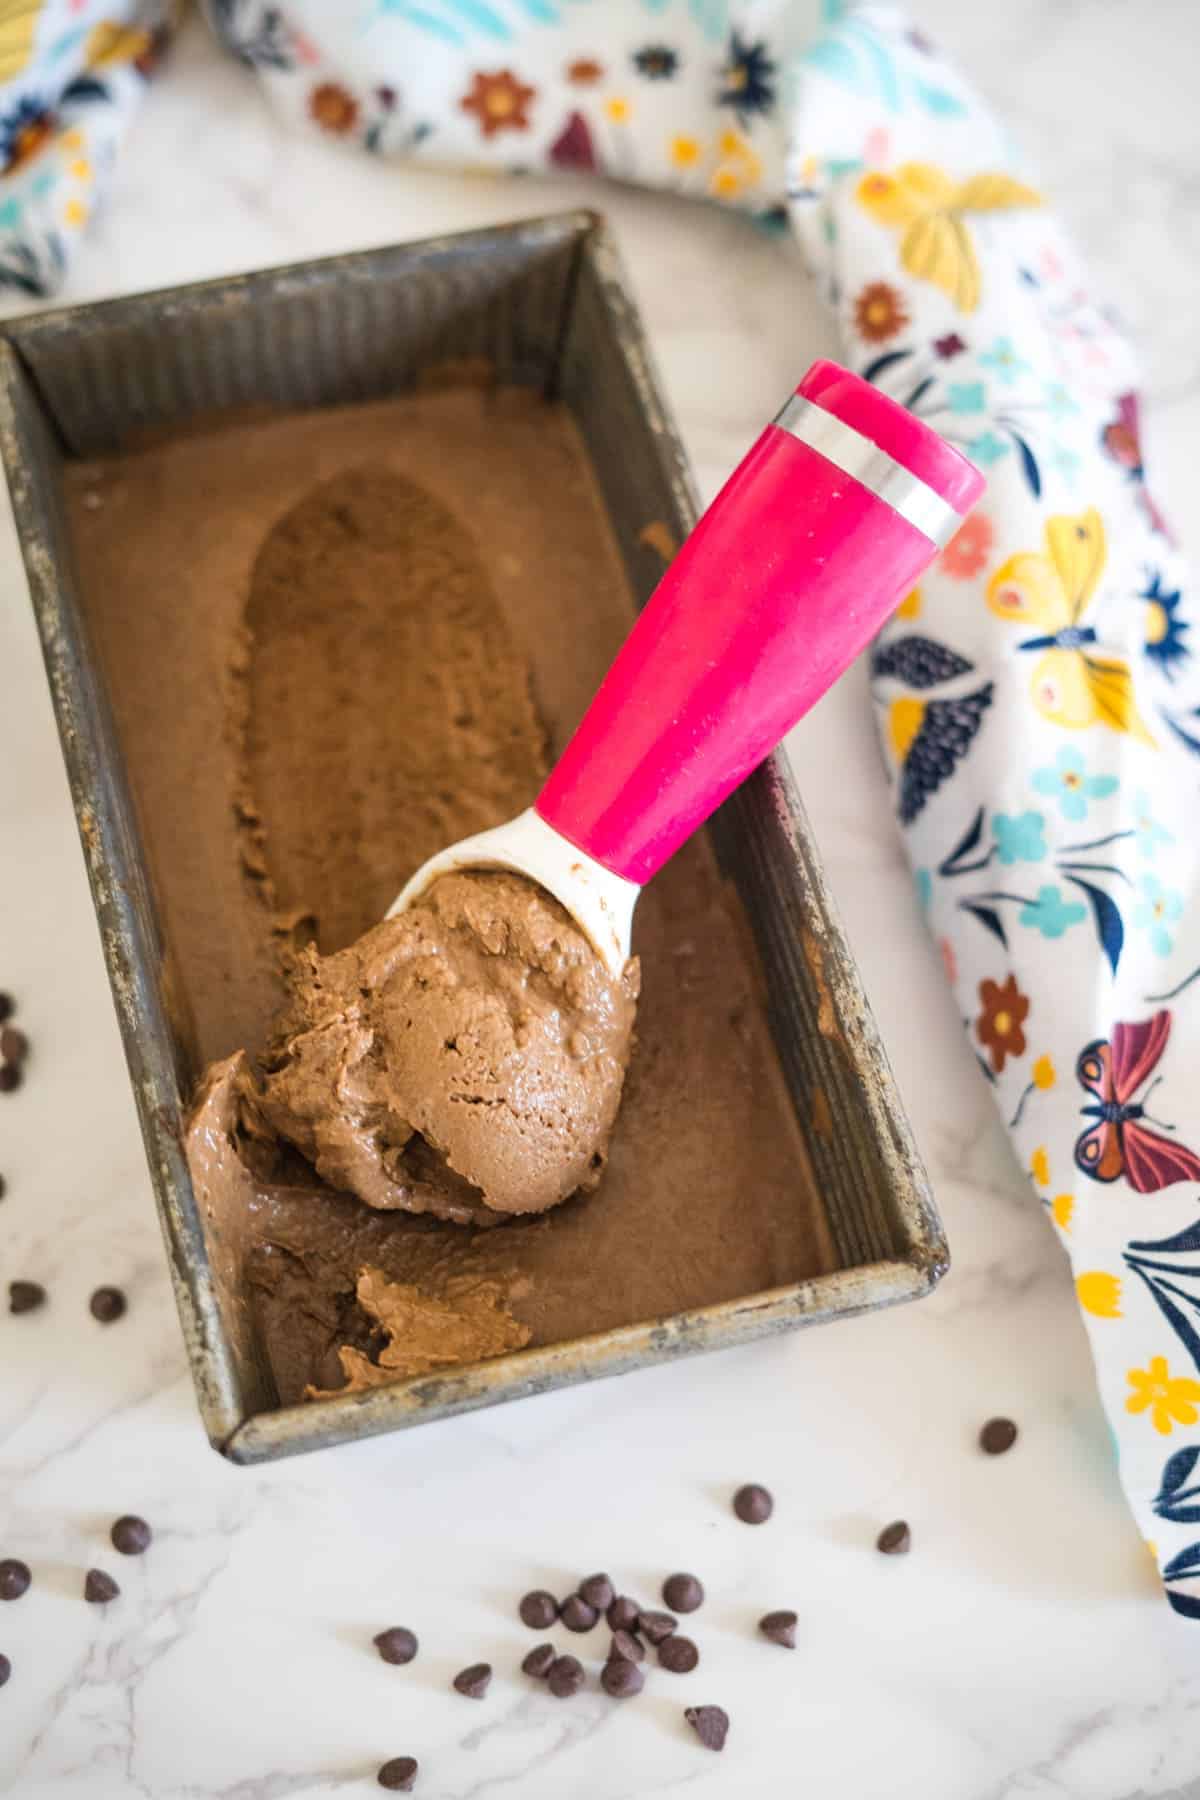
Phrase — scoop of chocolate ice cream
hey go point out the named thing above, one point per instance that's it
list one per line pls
(465, 1058)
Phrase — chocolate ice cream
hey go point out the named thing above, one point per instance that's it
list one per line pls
(381, 622)
(465, 1058)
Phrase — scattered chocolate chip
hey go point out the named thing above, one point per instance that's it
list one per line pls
(5, 1669)
(539, 1662)
(598, 1591)
(656, 1625)
(753, 1504)
(538, 1610)
(474, 1681)
(14, 1578)
(399, 1774)
(397, 1644)
(894, 1539)
(99, 1588)
(626, 1647)
(25, 1296)
(14, 1045)
(10, 1077)
(577, 1615)
(623, 1614)
(710, 1724)
(621, 1679)
(780, 1628)
(107, 1304)
(682, 1593)
(7, 1007)
(678, 1655)
(3, 1187)
(997, 1436)
(130, 1535)
(566, 1677)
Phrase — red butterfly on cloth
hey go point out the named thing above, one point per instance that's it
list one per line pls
(1120, 1144)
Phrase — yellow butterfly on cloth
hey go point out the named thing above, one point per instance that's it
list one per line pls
(1073, 684)
(931, 211)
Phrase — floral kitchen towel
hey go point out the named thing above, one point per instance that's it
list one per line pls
(71, 76)
(1038, 696)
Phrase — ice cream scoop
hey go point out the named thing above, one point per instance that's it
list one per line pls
(831, 517)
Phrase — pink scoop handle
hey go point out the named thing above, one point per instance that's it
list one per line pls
(786, 577)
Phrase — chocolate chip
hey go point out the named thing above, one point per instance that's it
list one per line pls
(474, 1681)
(598, 1591)
(621, 1679)
(538, 1610)
(397, 1644)
(130, 1535)
(5, 1669)
(25, 1296)
(3, 1187)
(678, 1655)
(656, 1625)
(623, 1614)
(539, 1662)
(997, 1436)
(753, 1504)
(14, 1578)
(7, 1007)
(399, 1774)
(894, 1539)
(14, 1045)
(577, 1615)
(780, 1628)
(682, 1593)
(10, 1077)
(99, 1588)
(710, 1724)
(626, 1647)
(107, 1304)
(565, 1677)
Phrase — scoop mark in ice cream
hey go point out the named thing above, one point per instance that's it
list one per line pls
(465, 1058)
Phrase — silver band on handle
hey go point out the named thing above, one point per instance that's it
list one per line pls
(857, 456)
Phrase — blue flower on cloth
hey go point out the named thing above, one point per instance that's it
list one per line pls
(1150, 834)
(1050, 913)
(1019, 837)
(987, 448)
(1003, 361)
(1160, 907)
(1067, 782)
(923, 882)
(1059, 403)
(966, 396)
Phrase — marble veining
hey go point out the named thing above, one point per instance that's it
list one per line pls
(1021, 1652)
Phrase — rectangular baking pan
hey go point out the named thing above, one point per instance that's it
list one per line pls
(545, 303)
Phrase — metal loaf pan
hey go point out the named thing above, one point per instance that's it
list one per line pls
(545, 302)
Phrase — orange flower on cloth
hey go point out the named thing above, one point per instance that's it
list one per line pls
(879, 312)
(999, 1026)
(930, 209)
(585, 71)
(1170, 1399)
(333, 108)
(500, 102)
(965, 556)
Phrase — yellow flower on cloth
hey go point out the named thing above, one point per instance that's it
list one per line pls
(110, 43)
(1073, 684)
(931, 210)
(18, 22)
(1171, 1400)
(1100, 1294)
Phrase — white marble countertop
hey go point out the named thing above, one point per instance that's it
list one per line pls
(1022, 1649)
